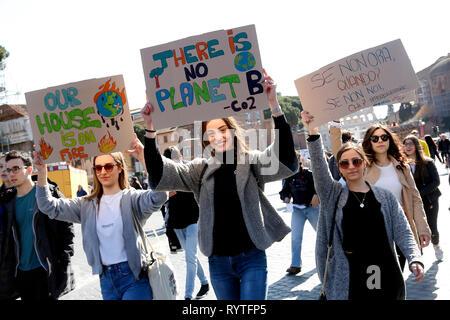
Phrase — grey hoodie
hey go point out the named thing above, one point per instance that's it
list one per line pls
(328, 189)
(79, 210)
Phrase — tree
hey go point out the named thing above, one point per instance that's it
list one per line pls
(140, 132)
(3, 53)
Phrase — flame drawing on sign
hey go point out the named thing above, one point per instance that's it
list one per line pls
(107, 144)
(46, 149)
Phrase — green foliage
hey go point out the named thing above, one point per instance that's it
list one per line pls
(3, 53)
(291, 107)
(140, 132)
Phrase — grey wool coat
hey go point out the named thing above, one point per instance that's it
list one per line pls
(328, 190)
(263, 223)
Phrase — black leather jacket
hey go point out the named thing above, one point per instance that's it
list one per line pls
(54, 247)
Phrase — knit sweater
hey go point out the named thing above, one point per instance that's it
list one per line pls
(263, 223)
(328, 190)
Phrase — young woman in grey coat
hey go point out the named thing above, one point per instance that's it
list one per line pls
(236, 221)
(107, 225)
(363, 263)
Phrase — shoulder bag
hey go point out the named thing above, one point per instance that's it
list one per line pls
(158, 267)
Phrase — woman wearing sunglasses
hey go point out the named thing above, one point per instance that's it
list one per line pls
(387, 168)
(109, 235)
(363, 263)
(427, 181)
(236, 221)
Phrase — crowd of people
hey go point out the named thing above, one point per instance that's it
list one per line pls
(374, 206)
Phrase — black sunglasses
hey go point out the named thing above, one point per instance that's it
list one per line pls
(357, 162)
(384, 137)
(108, 167)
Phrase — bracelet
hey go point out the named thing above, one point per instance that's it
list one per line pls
(277, 110)
(151, 131)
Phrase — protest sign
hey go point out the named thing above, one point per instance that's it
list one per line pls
(212, 75)
(370, 77)
(80, 120)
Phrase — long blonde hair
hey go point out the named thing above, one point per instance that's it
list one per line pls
(97, 190)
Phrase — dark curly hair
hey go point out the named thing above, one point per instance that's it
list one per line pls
(395, 146)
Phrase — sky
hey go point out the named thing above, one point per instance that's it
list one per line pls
(56, 42)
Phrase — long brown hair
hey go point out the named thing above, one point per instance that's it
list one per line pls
(395, 149)
(237, 130)
(97, 190)
(420, 157)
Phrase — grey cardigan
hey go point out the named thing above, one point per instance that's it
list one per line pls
(328, 189)
(79, 210)
(263, 223)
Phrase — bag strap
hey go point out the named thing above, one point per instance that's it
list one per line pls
(330, 244)
(145, 239)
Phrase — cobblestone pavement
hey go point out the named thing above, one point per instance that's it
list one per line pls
(304, 286)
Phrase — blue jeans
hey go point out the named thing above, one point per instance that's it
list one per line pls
(117, 282)
(299, 217)
(239, 277)
(188, 238)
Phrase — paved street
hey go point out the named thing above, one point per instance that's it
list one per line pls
(304, 286)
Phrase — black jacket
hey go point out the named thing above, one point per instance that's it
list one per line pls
(444, 145)
(183, 210)
(300, 187)
(54, 247)
(427, 182)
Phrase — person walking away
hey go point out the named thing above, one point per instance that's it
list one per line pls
(427, 181)
(107, 223)
(300, 187)
(41, 248)
(444, 148)
(432, 146)
(183, 217)
(362, 261)
(230, 197)
(135, 183)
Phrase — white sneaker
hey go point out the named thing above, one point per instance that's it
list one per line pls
(439, 253)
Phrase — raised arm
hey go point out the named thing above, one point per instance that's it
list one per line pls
(68, 210)
(323, 181)
(279, 160)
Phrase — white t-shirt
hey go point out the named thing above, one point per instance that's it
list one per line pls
(110, 230)
(389, 180)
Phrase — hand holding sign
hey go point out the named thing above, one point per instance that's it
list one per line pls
(371, 77)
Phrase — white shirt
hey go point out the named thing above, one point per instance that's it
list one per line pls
(389, 180)
(110, 230)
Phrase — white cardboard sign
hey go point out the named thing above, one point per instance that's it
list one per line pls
(375, 76)
(81, 119)
(212, 75)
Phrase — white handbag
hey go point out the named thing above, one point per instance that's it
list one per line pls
(158, 266)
